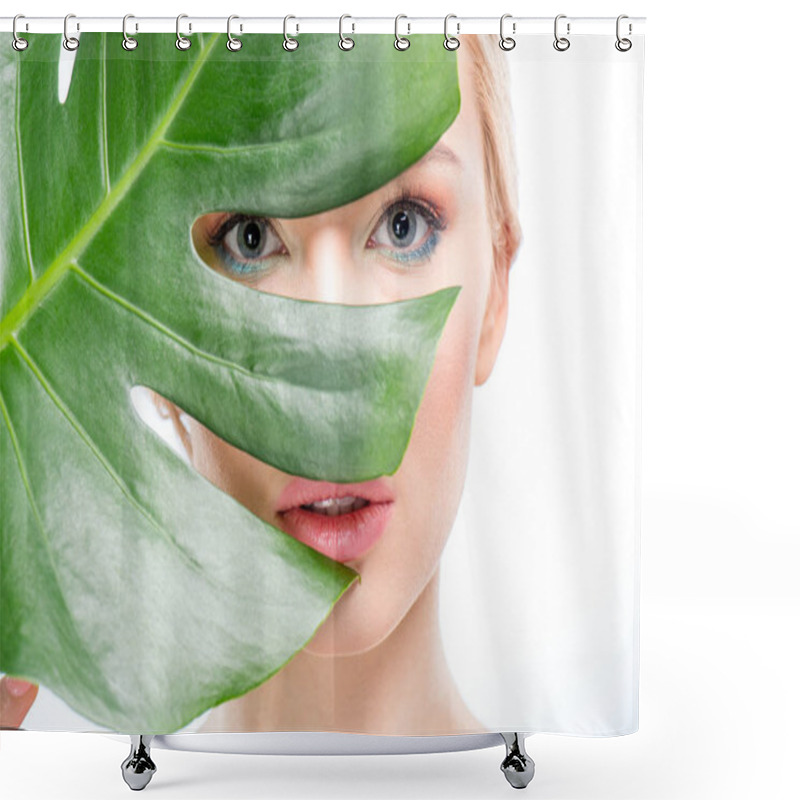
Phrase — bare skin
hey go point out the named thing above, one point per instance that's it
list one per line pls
(16, 699)
(364, 693)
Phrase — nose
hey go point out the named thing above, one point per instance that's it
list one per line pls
(329, 270)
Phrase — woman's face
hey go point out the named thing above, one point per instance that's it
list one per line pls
(426, 229)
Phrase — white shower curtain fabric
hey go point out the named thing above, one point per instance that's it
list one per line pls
(549, 529)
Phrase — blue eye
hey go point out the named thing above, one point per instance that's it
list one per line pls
(411, 228)
(245, 245)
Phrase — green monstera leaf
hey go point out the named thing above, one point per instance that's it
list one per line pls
(130, 585)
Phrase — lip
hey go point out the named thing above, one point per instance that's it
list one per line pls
(343, 537)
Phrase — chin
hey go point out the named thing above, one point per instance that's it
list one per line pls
(354, 626)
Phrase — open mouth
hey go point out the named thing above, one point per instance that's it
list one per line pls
(336, 506)
(342, 521)
(342, 531)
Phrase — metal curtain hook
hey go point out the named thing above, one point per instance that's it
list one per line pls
(18, 43)
(127, 42)
(451, 42)
(182, 43)
(345, 42)
(506, 42)
(406, 43)
(233, 43)
(623, 45)
(289, 42)
(561, 43)
(70, 42)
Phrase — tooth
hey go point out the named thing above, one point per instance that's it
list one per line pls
(335, 506)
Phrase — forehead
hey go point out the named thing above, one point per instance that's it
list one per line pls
(464, 135)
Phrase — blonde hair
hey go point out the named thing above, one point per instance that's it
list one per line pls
(492, 82)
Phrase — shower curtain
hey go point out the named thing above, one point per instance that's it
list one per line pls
(319, 384)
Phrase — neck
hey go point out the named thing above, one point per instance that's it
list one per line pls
(402, 686)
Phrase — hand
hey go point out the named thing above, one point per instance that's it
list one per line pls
(16, 699)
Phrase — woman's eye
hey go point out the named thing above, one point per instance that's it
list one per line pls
(409, 230)
(245, 244)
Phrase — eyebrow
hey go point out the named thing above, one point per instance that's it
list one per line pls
(441, 152)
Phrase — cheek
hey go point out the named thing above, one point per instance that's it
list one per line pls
(434, 467)
(444, 414)
(234, 471)
(449, 390)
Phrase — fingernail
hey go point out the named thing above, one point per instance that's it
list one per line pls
(17, 687)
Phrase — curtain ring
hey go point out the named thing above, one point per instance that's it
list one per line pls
(397, 38)
(18, 43)
(289, 42)
(506, 42)
(561, 43)
(345, 42)
(233, 43)
(182, 43)
(623, 45)
(450, 42)
(127, 42)
(70, 42)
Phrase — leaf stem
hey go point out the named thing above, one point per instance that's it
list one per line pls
(41, 287)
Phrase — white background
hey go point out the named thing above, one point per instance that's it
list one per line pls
(721, 437)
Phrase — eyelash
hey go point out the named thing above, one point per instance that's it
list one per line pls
(430, 212)
(406, 198)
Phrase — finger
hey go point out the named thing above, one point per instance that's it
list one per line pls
(16, 699)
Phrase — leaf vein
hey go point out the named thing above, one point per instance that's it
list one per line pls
(97, 679)
(104, 153)
(23, 198)
(150, 320)
(95, 450)
(36, 292)
(227, 150)
(323, 135)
